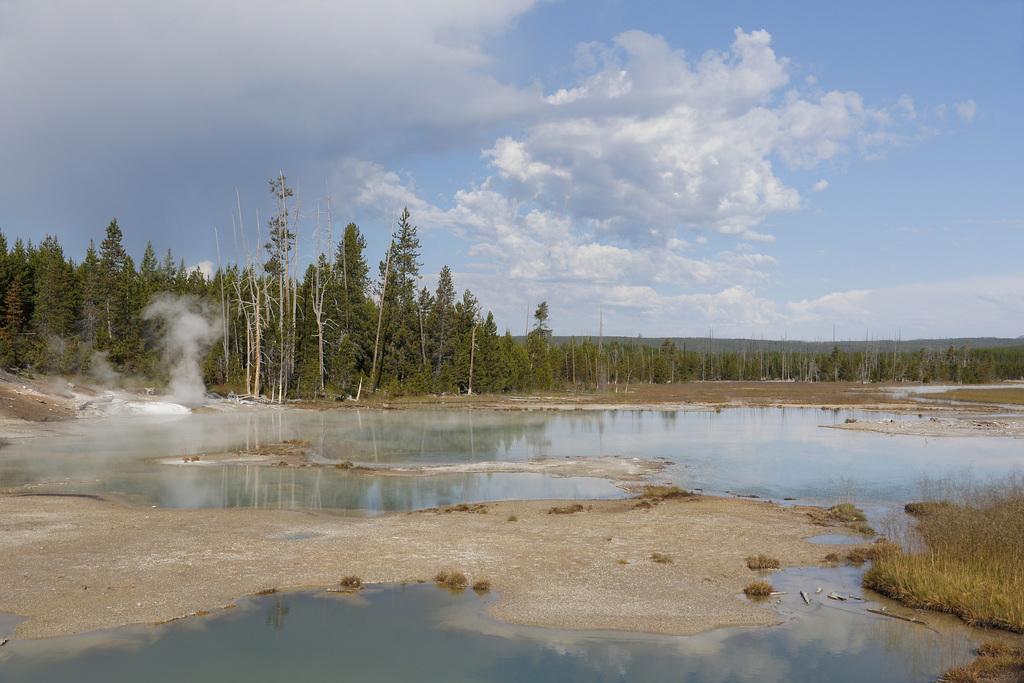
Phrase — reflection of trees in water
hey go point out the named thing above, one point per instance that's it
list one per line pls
(276, 614)
(425, 436)
(329, 488)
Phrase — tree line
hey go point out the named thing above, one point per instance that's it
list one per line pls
(338, 329)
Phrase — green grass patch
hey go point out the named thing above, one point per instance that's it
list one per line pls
(971, 561)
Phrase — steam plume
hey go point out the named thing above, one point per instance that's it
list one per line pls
(188, 330)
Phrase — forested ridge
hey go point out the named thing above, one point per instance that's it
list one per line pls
(340, 328)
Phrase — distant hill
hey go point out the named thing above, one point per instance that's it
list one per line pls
(715, 345)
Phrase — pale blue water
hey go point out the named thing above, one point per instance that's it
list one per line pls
(771, 453)
(423, 633)
(420, 633)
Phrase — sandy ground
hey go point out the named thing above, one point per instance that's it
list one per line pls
(72, 564)
(1011, 425)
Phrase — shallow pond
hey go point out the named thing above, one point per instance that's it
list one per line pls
(423, 633)
(770, 453)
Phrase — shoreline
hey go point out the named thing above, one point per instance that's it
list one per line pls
(75, 564)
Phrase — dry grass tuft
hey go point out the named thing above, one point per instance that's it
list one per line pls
(662, 559)
(351, 581)
(971, 560)
(657, 493)
(995, 662)
(847, 512)
(759, 589)
(569, 509)
(451, 579)
(844, 514)
(762, 562)
(481, 586)
(925, 508)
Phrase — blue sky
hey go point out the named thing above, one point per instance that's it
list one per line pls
(797, 170)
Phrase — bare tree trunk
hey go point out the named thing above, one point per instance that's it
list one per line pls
(472, 351)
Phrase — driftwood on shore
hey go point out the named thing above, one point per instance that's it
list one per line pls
(912, 620)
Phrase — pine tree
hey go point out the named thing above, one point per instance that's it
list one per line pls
(54, 314)
(442, 321)
(400, 338)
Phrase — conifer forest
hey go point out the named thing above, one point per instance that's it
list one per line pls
(345, 327)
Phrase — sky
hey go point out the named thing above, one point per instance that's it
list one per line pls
(791, 170)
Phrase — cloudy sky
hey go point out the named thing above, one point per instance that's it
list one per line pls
(801, 170)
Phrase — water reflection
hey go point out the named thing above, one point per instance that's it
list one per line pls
(421, 633)
(769, 452)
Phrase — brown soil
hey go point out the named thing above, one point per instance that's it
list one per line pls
(35, 400)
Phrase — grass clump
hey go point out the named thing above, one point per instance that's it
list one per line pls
(513, 518)
(657, 493)
(759, 589)
(925, 508)
(995, 662)
(661, 558)
(847, 512)
(762, 562)
(832, 558)
(351, 581)
(482, 586)
(451, 579)
(568, 509)
(969, 561)
(842, 514)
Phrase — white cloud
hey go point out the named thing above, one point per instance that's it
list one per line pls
(975, 306)
(605, 196)
(207, 268)
(650, 143)
(906, 103)
(966, 110)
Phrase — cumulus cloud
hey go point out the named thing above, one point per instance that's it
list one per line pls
(612, 188)
(651, 142)
(966, 110)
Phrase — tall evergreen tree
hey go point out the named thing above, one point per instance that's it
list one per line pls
(54, 314)
(400, 338)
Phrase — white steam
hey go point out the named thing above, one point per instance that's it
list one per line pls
(102, 371)
(188, 329)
